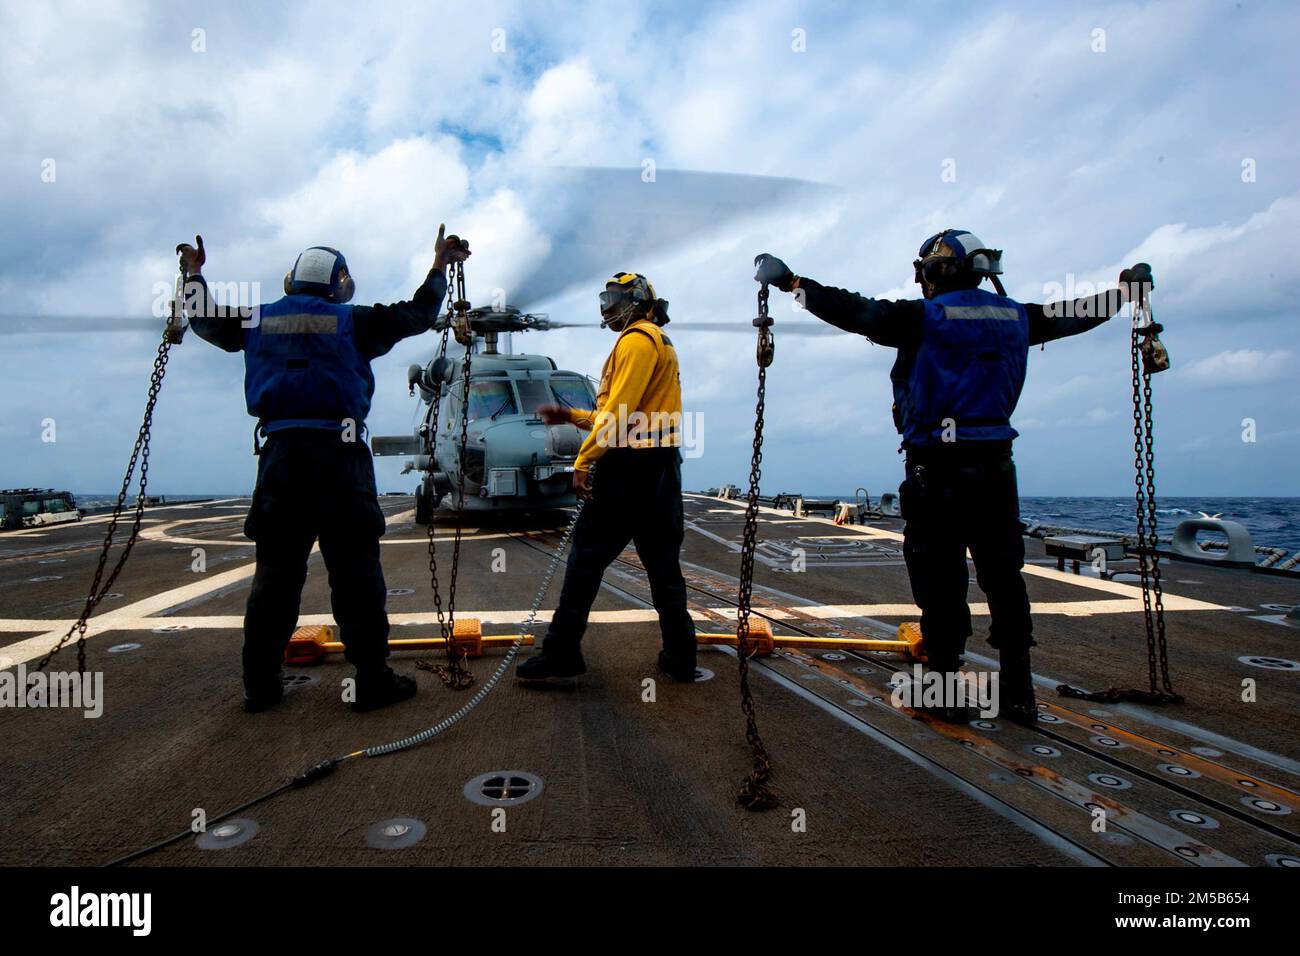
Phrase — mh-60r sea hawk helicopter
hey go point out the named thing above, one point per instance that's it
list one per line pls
(513, 461)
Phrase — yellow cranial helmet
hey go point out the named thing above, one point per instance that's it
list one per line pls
(631, 291)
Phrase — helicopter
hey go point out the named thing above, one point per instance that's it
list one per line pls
(513, 461)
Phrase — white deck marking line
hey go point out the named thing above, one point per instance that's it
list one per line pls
(1130, 605)
(41, 531)
(1113, 587)
(467, 538)
(33, 648)
(101, 518)
(224, 622)
(118, 620)
(139, 615)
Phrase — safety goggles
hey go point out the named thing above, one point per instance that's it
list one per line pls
(615, 300)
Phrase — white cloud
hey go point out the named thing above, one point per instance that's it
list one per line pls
(369, 133)
(573, 117)
(373, 207)
(1241, 367)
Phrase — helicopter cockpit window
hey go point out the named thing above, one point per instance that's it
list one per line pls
(490, 400)
(571, 392)
(533, 393)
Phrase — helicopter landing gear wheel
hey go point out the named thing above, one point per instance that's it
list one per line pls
(423, 504)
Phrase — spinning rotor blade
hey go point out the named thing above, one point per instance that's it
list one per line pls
(81, 324)
(601, 219)
(598, 220)
(790, 328)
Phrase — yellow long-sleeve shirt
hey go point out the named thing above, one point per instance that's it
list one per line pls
(639, 403)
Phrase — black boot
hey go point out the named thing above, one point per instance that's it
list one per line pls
(682, 673)
(1017, 687)
(949, 711)
(381, 688)
(546, 664)
(262, 694)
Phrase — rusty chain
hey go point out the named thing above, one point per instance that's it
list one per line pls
(99, 587)
(754, 793)
(454, 673)
(1160, 688)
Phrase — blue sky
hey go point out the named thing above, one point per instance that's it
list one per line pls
(364, 126)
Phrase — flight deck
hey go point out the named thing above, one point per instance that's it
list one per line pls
(611, 769)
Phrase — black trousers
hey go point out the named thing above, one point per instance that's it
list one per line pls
(637, 498)
(313, 485)
(958, 497)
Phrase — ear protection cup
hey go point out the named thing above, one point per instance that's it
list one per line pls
(660, 316)
(934, 271)
(347, 288)
(288, 282)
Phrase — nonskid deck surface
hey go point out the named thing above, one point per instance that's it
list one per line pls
(626, 781)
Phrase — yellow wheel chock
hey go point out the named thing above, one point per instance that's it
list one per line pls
(312, 643)
(763, 641)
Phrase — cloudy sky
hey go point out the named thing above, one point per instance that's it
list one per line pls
(1078, 138)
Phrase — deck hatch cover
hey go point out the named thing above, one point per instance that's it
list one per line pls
(1109, 780)
(1192, 818)
(291, 682)
(227, 834)
(503, 788)
(1273, 663)
(395, 834)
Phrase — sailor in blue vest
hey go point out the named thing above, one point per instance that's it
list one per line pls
(962, 354)
(307, 381)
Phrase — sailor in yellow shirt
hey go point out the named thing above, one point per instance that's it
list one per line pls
(635, 494)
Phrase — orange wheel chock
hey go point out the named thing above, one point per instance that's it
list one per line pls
(467, 636)
(907, 643)
(760, 636)
(312, 643)
(909, 632)
(761, 642)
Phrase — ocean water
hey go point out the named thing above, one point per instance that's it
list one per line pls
(1272, 522)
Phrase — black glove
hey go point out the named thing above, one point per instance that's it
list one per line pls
(192, 259)
(1137, 279)
(772, 271)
